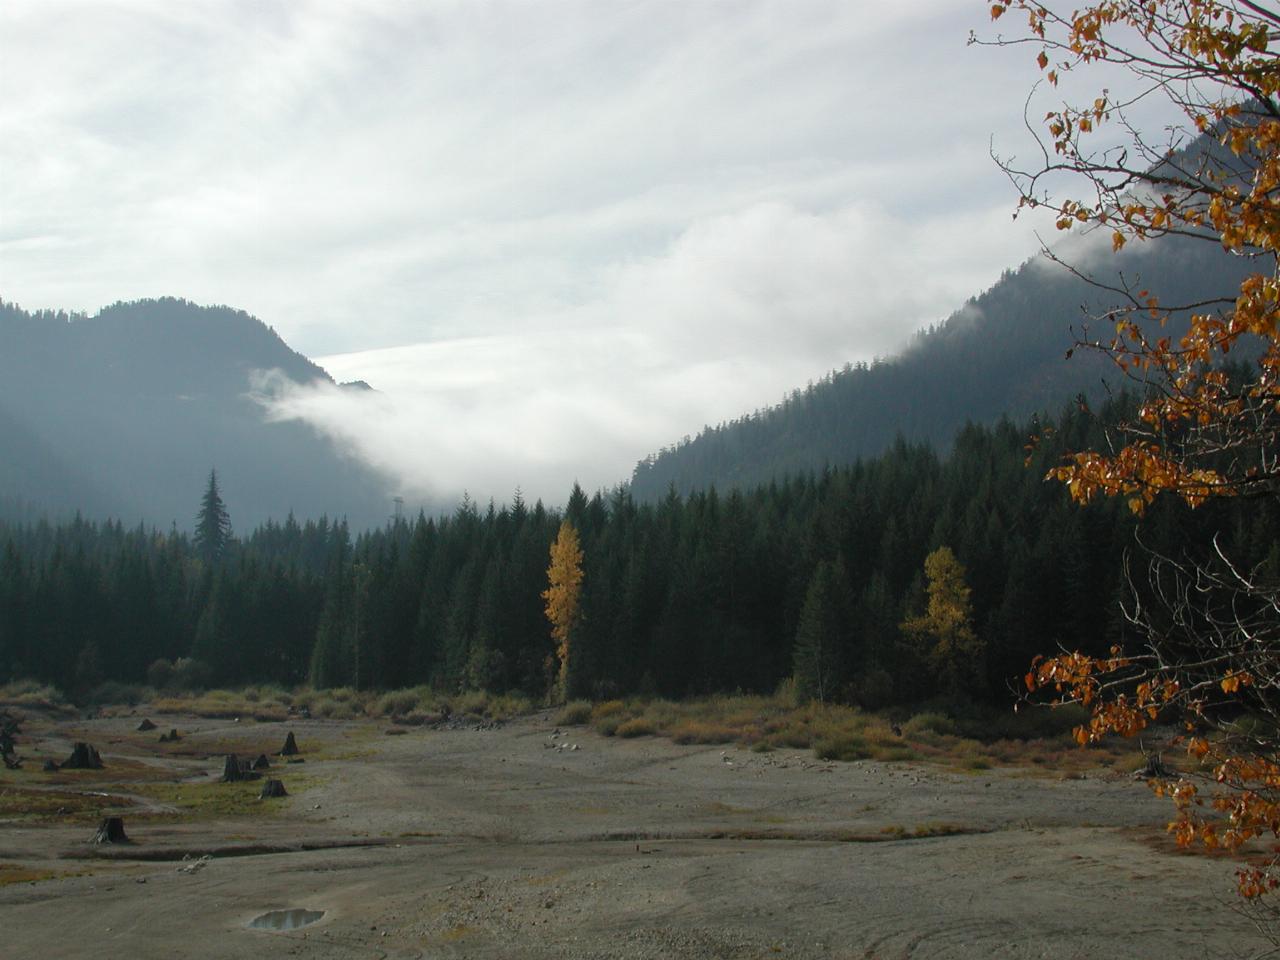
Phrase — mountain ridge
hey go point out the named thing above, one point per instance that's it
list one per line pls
(1007, 351)
(124, 413)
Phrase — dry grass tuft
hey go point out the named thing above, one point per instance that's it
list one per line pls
(843, 733)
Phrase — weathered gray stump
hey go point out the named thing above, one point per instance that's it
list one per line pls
(146, 725)
(262, 763)
(290, 747)
(83, 757)
(111, 830)
(272, 789)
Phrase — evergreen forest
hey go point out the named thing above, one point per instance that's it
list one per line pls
(820, 577)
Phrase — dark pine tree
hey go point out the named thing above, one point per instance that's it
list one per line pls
(213, 523)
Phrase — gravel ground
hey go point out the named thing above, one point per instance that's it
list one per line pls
(508, 842)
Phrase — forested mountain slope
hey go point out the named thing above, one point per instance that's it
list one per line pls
(124, 413)
(1002, 353)
(693, 595)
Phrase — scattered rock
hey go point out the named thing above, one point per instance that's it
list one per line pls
(194, 866)
(111, 830)
(83, 757)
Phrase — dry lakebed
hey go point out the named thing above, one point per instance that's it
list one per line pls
(528, 840)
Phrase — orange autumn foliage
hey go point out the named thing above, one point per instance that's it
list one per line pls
(563, 595)
(1201, 433)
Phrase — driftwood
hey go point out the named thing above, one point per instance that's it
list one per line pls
(146, 725)
(272, 789)
(290, 747)
(83, 757)
(111, 830)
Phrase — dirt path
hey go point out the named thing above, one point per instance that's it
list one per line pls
(510, 843)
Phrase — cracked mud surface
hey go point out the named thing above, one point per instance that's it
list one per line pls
(503, 843)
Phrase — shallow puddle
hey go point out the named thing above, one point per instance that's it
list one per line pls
(285, 919)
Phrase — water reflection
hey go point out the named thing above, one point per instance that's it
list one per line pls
(286, 919)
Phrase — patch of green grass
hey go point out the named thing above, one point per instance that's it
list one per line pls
(211, 799)
(32, 805)
(30, 693)
(847, 747)
(11, 873)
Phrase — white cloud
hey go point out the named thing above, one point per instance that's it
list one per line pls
(578, 229)
(734, 313)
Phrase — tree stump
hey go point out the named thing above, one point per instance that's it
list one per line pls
(290, 747)
(83, 757)
(231, 769)
(50, 767)
(272, 789)
(146, 725)
(262, 763)
(111, 830)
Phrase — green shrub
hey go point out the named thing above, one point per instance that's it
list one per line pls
(636, 727)
(846, 747)
(574, 713)
(930, 722)
(112, 692)
(393, 703)
(607, 708)
(608, 726)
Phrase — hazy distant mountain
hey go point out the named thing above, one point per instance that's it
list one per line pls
(124, 413)
(1003, 352)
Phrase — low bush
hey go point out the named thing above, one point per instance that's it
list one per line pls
(636, 727)
(574, 713)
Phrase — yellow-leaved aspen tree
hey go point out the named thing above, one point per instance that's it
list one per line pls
(563, 596)
(954, 649)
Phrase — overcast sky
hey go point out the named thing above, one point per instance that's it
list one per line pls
(554, 235)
